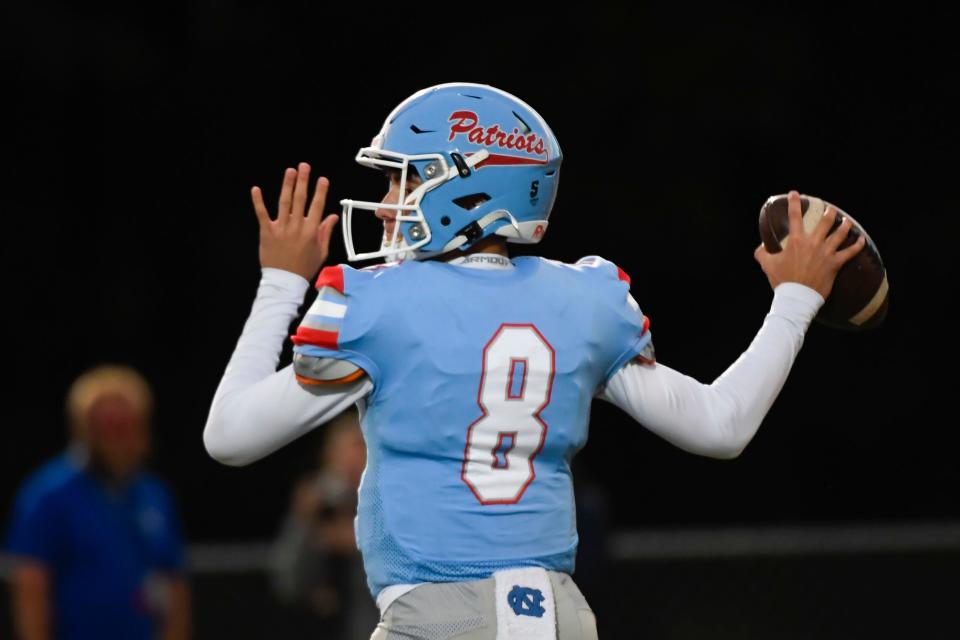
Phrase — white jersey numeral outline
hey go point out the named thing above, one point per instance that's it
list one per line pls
(503, 442)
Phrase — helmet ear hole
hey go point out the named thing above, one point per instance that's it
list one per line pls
(445, 221)
(471, 201)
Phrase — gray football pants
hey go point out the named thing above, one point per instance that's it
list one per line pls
(467, 611)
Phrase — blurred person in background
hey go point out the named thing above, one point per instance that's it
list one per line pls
(96, 541)
(316, 566)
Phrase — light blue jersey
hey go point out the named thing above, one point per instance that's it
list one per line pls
(483, 381)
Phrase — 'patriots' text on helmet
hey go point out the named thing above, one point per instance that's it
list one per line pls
(488, 162)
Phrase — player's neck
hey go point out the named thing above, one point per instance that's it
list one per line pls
(490, 244)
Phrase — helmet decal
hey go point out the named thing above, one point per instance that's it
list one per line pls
(466, 123)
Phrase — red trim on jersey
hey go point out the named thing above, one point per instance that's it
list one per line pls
(640, 358)
(622, 275)
(306, 335)
(331, 277)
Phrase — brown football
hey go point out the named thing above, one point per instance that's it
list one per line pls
(860, 294)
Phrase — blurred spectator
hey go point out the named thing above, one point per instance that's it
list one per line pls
(316, 565)
(96, 540)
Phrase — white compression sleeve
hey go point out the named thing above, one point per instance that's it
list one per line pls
(719, 419)
(257, 409)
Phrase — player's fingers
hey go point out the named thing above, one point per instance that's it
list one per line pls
(319, 202)
(325, 231)
(842, 256)
(825, 223)
(286, 194)
(263, 216)
(835, 239)
(300, 192)
(794, 214)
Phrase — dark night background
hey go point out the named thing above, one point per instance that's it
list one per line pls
(133, 136)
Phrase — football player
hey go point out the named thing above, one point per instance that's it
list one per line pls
(474, 372)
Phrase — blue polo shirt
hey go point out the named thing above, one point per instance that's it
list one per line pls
(106, 548)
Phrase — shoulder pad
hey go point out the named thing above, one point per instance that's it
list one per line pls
(648, 355)
(379, 267)
(340, 277)
(314, 370)
(605, 266)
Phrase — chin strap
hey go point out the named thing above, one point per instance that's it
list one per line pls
(474, 230)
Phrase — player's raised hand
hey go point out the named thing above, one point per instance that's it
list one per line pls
(813, 258)
(294, 241)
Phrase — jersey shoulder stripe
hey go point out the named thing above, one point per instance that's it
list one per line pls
(324, 342)
(322, 323)
(330, 306)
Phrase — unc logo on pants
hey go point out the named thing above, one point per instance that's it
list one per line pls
(482, 610)
(526, 601)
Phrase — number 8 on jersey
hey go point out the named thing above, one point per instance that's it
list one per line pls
(515, 387)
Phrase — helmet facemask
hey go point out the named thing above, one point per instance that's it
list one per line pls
(411, 229)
